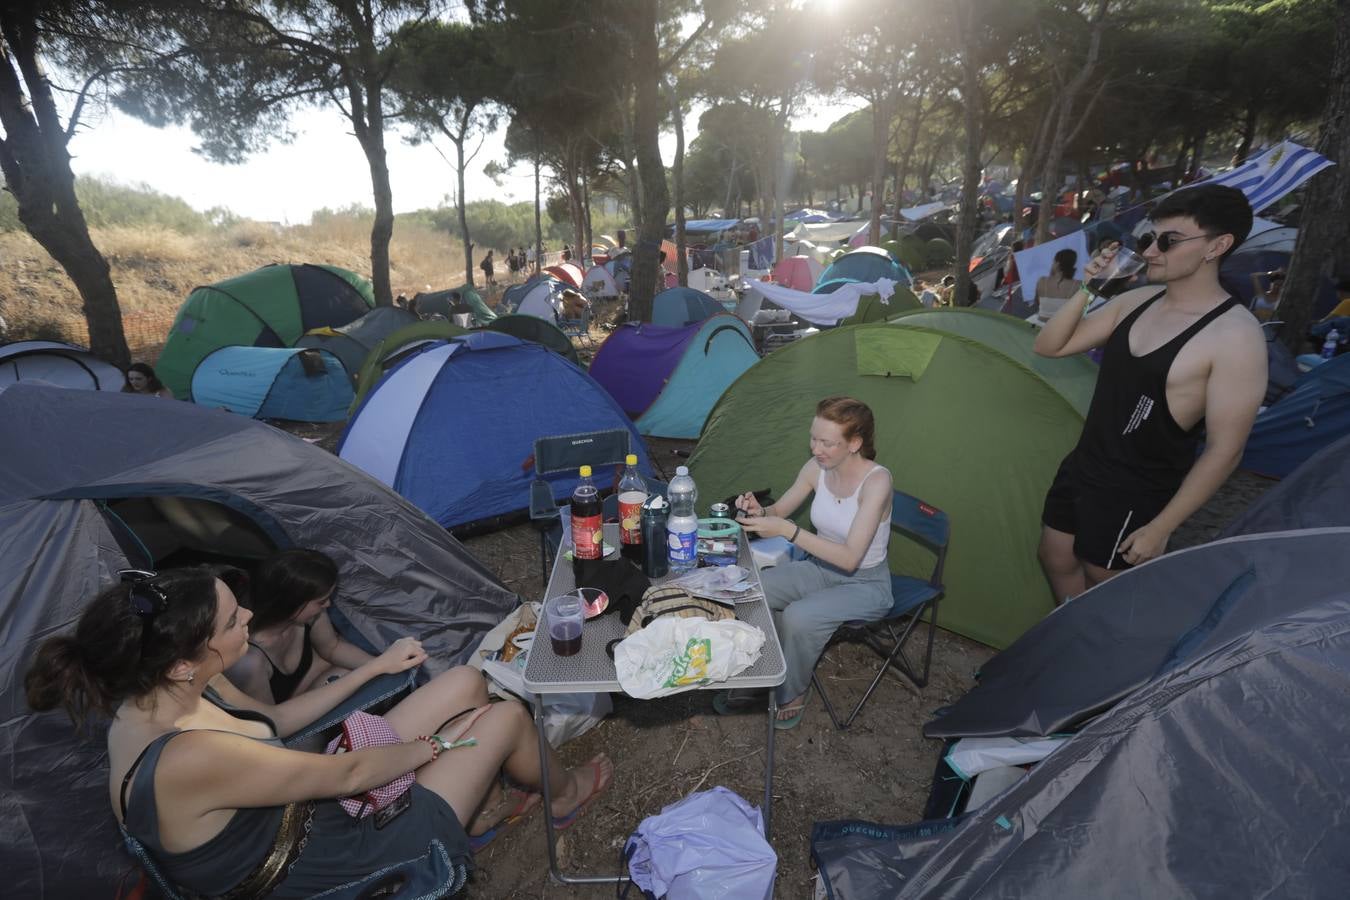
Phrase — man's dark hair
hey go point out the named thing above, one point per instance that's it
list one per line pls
(1216, 208)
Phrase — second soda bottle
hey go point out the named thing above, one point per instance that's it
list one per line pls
(632, 494)
(588, 532)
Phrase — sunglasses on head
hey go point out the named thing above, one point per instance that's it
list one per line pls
(146, 598)
(1167, 240)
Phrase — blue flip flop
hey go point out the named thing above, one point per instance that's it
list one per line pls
(526, 805)
(791, 721)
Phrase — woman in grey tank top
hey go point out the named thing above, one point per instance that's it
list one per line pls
(200, 779)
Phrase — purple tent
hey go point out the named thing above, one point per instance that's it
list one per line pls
(635, 362)
(667, 378)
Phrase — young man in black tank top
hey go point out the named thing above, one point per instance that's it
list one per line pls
(1183, 361)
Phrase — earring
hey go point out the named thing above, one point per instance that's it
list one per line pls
(192, 676)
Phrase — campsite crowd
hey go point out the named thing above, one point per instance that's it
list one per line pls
(205, 673)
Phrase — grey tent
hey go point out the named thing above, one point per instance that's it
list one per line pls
(352, 343)
(94, 482)
(1210, 756)
(1315, 495)
(57, 363)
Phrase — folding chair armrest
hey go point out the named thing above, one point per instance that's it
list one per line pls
(542, 504)
(378, 689)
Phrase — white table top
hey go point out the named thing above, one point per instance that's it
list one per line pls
(592, 671)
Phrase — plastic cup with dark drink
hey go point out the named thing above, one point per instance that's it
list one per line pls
(564, 617)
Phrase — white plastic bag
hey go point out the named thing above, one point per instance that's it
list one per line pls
(971, 756)
(708, 846)
(566, 716)
(674, 654)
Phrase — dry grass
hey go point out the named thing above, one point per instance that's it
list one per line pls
(154, 269)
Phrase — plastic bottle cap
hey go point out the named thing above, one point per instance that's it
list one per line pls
(630, 459)
(681, 471)
(585, 471)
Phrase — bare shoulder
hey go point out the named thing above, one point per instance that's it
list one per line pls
(810, 472)
(1236, 336)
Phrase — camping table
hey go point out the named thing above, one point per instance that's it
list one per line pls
(592, 671)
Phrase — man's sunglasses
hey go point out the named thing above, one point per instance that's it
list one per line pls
(1167, 240)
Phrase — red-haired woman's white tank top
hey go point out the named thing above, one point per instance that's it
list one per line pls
(832, 517)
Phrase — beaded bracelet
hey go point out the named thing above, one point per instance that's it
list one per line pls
(433, 742)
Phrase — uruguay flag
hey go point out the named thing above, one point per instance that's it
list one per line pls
(1272, 174)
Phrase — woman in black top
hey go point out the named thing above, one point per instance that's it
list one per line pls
(293, 645)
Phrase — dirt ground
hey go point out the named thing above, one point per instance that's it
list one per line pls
(878, 770)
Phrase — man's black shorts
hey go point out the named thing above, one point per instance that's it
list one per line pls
(1098, 519)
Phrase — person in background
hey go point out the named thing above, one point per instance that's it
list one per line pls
(1266, 297)
(198, 774)
(927, 296)
(486, 266)
(1058, 286)
(531, 260)
(141, 379)
(947, 293)
(844, 577)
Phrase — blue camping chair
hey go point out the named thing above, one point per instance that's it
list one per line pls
(432, 874)
(913, 597)
(579, 327)
(567, 453)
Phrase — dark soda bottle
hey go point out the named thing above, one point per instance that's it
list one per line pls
(588, 532)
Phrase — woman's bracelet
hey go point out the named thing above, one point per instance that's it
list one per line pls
(796, 531)
(436, 743)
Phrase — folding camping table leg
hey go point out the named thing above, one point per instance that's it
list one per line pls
(546, 814)
(768, 764)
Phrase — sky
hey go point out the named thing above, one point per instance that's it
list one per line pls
(322, 167)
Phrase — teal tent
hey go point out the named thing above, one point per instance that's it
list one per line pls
(300, 384)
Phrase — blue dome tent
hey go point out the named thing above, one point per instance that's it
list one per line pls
(452, 427)
(1311, 416)
(303, 384)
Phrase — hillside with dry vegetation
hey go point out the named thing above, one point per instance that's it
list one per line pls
(156, 267)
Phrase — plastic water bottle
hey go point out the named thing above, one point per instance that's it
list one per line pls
(632, 494)
(682, 526)
(588, 533)
(1330, 344)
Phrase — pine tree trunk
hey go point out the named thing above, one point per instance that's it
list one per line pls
(651, 171)
(881, 132)
(36, 166)
(677, 179)
(1323, 247)
(463, 212)
(972, 97)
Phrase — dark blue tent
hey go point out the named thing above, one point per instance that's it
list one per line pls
(681, 306)
(1314, 414)
(452, 427)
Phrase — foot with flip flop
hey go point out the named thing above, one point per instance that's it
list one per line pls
(729, 703)
(505, 808)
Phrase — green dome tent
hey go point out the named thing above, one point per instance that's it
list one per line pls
(959, 424)
(269, 307)
(1075, 377)
(533, 328)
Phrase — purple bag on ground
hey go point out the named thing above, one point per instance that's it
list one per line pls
(708, 846)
